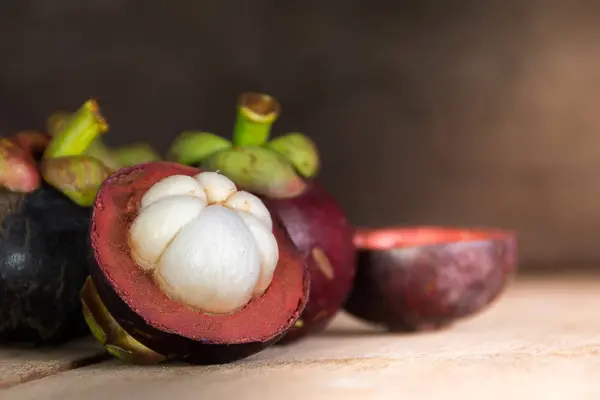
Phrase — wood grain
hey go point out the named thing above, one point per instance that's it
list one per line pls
(19, 365)
(540, 341)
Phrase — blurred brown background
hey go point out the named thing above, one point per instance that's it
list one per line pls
(425, 111)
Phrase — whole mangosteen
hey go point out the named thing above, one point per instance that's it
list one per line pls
(425, 278)
(188, 267)
(281, 173)
(46, 189)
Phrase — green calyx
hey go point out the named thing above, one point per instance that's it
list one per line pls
(65, 164)
(257, 169)
(134, 154)
(109, 332)
(113, 158)
(62, 164)
(299, 150)
(273, 168)
(124, 156)
(100, 151)
(192, 148)
(78, 177)
(74, 159)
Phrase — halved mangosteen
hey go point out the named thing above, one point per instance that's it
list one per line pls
(190, 267)
(424, 278)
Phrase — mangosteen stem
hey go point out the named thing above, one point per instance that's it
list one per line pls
(78, 132)
(256, 115)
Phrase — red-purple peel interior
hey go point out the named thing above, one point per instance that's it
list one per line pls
(164, 325)
(389, 238)
(426, 277)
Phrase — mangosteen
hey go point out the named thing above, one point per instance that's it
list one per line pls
(281, 172)
(188, 267)
(46, 189)
(424, 278)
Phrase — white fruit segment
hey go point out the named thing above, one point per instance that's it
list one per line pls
(213, 257)
(174, 185)
(267, 246)
(157, 224)
(249, 203)
(217, 273)
(218, 187)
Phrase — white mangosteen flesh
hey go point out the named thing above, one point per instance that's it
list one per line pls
(207, 244)
(172, 186)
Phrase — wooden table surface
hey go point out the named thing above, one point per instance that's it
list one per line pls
(540, 341)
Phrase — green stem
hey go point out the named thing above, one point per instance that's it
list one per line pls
(256, 115)
(78, 132)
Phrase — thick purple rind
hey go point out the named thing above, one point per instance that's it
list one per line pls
(174, 346)
(314, 220)
(429, 287)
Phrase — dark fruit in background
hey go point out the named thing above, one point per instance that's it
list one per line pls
(43, 265)
(322, 233)
(44, 229)
(158, 324)
(424, 278)
(281, 172)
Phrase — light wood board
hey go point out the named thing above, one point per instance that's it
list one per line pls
(541, 341)
(19, 365)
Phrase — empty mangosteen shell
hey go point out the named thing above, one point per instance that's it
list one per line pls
(431, 276)
(43, 265)
(320, 230)
(123, 190)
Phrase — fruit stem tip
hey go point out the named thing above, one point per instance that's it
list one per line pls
(256, 115)
(78, 132)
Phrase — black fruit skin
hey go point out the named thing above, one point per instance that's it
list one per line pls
(44, 258)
